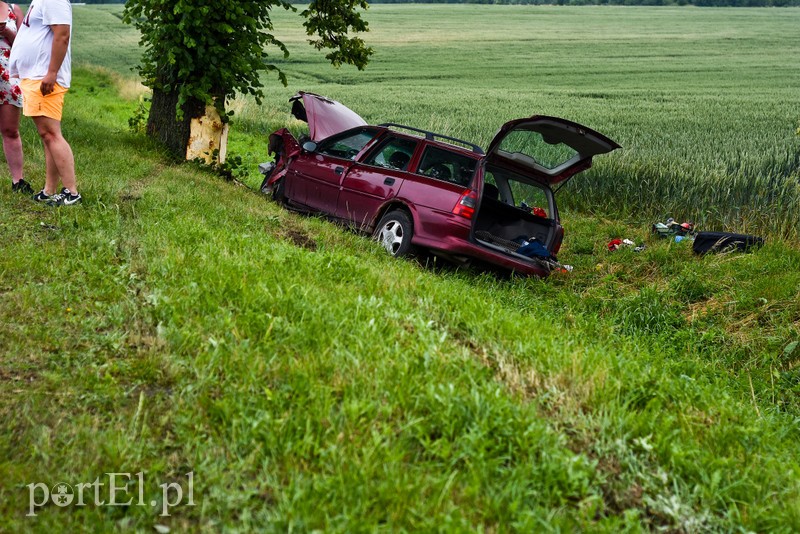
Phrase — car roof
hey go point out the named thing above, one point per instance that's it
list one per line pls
(327, 117)
(443, 141)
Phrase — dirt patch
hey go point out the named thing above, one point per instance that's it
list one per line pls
(20, 377)
(618, 500)
(130, 197)
(301, 239)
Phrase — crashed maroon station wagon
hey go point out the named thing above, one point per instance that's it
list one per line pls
(416, 189)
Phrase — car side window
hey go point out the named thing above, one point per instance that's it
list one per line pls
(530, 198)
(490, 188)
(395, 153)
(520, 194)
(346, 145)
(448, 166)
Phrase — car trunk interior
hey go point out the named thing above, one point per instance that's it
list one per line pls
(512, 210)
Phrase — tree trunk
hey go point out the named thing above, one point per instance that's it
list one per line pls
(199, 134)
(163, 125)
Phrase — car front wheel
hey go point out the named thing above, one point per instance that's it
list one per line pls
(394, 232)
(279, 191)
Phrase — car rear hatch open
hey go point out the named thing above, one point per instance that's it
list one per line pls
(549, 149)
(325, 117)
(524, 160)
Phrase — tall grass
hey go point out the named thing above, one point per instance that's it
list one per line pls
(703, 101)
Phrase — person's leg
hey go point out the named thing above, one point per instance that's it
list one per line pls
(59, 161)
(51, 177)
(12, 144)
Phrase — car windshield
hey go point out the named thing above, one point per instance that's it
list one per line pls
(535, 146)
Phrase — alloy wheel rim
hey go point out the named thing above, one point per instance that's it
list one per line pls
(392, 236)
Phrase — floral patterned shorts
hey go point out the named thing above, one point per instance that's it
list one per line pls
(9, 87)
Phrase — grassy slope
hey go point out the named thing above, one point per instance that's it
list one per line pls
(176, 322)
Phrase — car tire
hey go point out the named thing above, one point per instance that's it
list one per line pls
(394, 233)
(279, 191)
(263, 187)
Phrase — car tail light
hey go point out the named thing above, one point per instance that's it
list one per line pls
(466, 204)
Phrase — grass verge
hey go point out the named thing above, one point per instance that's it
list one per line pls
(176, 323)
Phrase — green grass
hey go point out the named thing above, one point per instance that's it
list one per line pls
(179, 323)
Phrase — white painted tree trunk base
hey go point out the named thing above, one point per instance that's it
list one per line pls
(208, 134)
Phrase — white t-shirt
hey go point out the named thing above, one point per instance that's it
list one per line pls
(30, 54)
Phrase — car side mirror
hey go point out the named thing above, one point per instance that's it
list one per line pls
(309, 146)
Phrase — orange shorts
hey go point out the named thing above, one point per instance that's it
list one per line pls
(35, 104)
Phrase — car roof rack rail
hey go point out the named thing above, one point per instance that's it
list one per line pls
(433, 136)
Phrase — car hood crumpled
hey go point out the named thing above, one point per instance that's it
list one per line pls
(325, 117)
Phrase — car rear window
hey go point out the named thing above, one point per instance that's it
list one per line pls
(448, 166)
(548, 153)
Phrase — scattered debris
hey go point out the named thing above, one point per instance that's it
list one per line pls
(673, 228)
(616, 244)
(530, 246)
(706, 242)
(535, 249)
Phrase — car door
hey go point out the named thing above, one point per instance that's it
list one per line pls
(369, 184)
(316, 174)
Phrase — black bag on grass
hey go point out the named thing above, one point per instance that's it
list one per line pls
(705, 242)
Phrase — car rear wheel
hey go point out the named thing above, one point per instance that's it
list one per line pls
(394, 232)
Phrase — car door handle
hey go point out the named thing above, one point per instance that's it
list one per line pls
(338, 170)
(389, 181)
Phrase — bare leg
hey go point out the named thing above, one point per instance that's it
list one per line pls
(51, 173)
(59, 161)
(12, 144)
